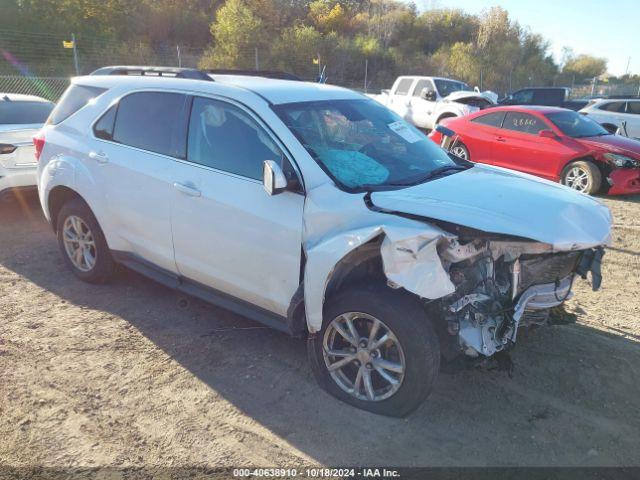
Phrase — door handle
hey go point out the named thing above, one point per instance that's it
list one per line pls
(187, 190)
(501, 139)
(99, 157)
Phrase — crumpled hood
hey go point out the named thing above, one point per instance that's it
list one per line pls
(487, 95)
(499, 201)
(615, 144)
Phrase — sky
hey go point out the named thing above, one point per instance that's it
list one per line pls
(604, 28)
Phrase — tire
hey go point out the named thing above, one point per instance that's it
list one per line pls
(610, 127)
(74, 215)
(582, 176)
(460, 150)
(446, 115)
(419, 350)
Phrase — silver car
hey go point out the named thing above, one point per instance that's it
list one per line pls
(611, 113)
(21, 116)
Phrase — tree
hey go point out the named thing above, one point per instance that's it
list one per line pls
(237, 31)
(585, 67)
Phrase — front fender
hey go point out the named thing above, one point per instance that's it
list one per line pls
(338, 223)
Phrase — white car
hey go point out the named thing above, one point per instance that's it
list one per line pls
(317, 211)
(612, 113)
(425, 101)
(21, 116)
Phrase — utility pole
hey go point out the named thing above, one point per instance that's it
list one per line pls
(75, 53)
(626, 70)
(179, 57)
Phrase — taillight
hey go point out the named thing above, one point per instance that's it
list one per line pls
(38, 142)
(6, 148)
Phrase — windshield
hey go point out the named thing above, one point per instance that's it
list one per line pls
(24, 113)
(363, 145)
(446, 87)
(575, 125)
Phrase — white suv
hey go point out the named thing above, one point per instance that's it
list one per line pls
(317, 211)
(614, 114)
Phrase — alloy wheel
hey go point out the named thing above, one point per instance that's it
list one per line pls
(363, 356)
(577, 178)
(459, 152)
(79, 243)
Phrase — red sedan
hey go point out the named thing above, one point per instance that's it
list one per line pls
(554, 143)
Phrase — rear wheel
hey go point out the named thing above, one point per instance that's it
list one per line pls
(377, 350)
(582, 176)
(82, 243)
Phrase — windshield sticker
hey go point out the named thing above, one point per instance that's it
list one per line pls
(402, 129)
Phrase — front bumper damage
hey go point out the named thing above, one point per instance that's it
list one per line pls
(624, 181)
(483, 287)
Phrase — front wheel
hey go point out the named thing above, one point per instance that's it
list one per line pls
(377, 350)
(582, 176)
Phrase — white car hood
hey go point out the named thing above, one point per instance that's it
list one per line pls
(498, 201)
(487, 95)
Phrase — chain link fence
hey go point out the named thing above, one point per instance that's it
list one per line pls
(40, 64)
(50, 88)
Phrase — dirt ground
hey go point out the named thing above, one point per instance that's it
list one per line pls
(134, 374)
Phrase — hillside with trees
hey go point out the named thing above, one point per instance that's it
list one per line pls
(384, 37)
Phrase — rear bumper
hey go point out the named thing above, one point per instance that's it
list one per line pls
(624, 181)
(14, 178)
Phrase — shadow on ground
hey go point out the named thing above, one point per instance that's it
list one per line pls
(573, 398)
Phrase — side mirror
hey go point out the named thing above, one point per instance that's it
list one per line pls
(547, 134)
(273, 179)
(427, 94)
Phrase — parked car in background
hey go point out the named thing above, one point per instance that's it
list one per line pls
(21, 116)
(612, 112)
(425, 101)
(317, 211)
(544, 96)
(553, 143)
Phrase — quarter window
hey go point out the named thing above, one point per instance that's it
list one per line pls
(223, 137)
(104, 127)
(490, 119)
(154, 121)
(403, 86)
(524, 123)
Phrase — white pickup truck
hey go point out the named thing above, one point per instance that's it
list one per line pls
(424, 101)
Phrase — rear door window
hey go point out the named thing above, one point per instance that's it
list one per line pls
(613, 107)
(74, 98)
(24, 113)
(153, 121)
(633, 107)
(403, 86)
(523, 123)
(104, 127)
(490, 119)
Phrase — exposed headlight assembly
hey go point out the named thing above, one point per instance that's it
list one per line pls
(621, 161)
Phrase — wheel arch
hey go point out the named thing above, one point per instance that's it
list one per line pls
(58, 196)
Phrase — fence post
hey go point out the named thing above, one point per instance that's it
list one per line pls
(257, 59)
(366, 68)
(179, 57)
(75, 53)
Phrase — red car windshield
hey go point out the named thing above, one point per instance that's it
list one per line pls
(575, 125)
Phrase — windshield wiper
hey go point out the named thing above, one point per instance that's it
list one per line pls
(438, 172)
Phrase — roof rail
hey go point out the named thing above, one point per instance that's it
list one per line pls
(170, 72)
(255, 73)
